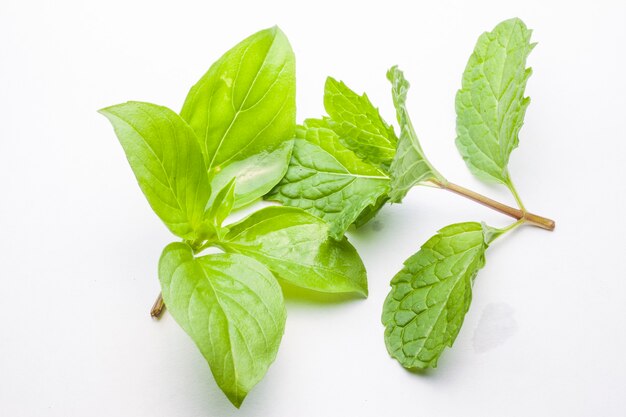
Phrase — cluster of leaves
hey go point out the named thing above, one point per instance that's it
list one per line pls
(236, 140)
(229, 146)
(347, 165)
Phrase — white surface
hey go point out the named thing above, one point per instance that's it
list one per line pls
(79, 245)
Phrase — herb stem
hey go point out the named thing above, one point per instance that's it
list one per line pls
(513, 190)
(518, 214)
(512, 226)
(157, 307)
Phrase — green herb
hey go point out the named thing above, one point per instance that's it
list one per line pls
(491, 105)
(232, 307)
(243, 111)
(230, 145)
(295, 246)
(329, 180)
(165, 157)
(358, 124)
(424, 311)
(410, 166)
(430, 296)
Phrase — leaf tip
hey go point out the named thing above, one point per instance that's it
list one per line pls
(391, 72)
(236, 400)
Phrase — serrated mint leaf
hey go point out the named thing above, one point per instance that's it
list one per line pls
(296, 247)
(359, 124)
(165, 157)
(491, 105)
(328, 180)
(431, 294)
(371, 211)
(409, 166)
(232, 308)
(243, 111)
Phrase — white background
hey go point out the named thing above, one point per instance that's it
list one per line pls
(545, 335)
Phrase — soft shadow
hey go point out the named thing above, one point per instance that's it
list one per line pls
(426, 373)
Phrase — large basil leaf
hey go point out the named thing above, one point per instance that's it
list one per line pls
(243, 111)
(295, 246)
(232, 308)
(165, 157)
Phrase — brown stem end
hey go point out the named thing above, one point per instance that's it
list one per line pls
(157, 307)
(543, 222)
(533, 219)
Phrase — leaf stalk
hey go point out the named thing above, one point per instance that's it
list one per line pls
(518, 214)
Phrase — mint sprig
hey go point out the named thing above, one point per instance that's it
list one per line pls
(430, 296)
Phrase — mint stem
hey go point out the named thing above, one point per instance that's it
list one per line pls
(530, 218)
(513, 190)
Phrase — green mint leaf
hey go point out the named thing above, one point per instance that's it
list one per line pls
(222, 204)
(431, 294)
(165, 157)
(359, 124)
(409, 166)
(328, 180)
(243, 111)
(371, 211)
(295, 246)
(491, 105)
(232, 307)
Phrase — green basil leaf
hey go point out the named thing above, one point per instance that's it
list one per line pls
(165, 157)
(359, 124)
(328, 180)
(243, 111)
(222, 204)
(232, 307)
(491, 105)
(431, 294)
(295, 246)
(409, 166)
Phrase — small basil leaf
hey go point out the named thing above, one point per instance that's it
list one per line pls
(232, 308)
(295, 246)
(165, 157)
(491, 105)
(359, 124)
(409, 166)
(429, 297)
(328, 180)
(222, 204)
(243, 111)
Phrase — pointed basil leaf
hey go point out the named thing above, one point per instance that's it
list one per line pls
(491, 105)
(243, 111)
(295, 246)
(430, 296)
(328, 180)
(232, 308)
(165, 157)
(222, 204)
(359, 124)
(410, 166)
